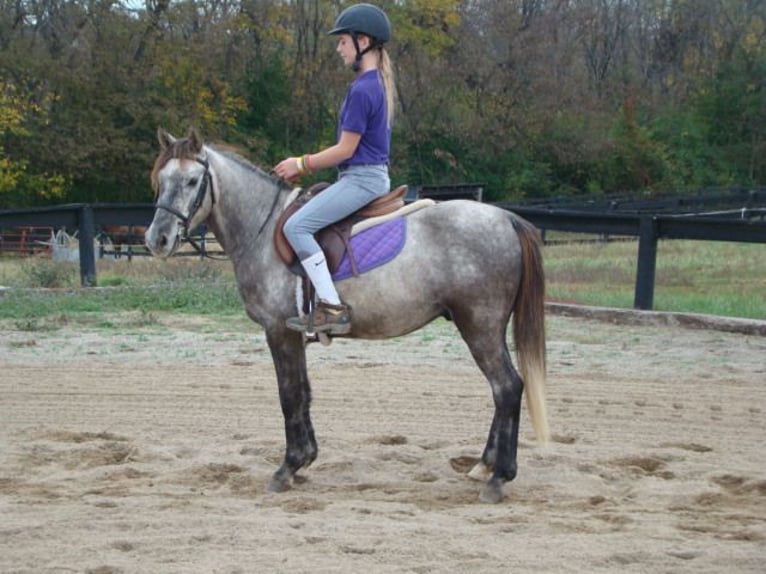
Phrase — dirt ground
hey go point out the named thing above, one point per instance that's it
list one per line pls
(134, 445)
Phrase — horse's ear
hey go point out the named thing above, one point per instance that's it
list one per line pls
(164, 138)
(195, 139)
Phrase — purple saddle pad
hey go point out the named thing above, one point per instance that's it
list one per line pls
(373, 247)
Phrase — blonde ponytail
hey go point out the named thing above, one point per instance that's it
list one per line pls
(386, 69)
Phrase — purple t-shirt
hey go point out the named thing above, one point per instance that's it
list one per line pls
(364, 112)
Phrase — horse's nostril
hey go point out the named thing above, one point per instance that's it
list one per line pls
(163, 241)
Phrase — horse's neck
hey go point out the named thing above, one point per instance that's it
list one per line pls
(244, 201)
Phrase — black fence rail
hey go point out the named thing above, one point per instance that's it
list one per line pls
(648, 227)
(729, 203)
(128, 243)
(474, 191)
(85, 218)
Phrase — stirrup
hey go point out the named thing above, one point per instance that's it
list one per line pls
(323, 313)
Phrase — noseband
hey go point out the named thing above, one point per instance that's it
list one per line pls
(201, 193)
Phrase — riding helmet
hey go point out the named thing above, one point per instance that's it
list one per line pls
(364, 19)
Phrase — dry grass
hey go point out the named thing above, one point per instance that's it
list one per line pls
(15, 272)
(719, 278)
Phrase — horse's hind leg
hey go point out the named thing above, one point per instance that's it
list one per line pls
(301, 450)
(482, 471)
(490, 352)
(502, 443)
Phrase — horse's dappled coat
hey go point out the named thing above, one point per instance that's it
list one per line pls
(476, 264)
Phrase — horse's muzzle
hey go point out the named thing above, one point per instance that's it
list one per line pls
(161, 241)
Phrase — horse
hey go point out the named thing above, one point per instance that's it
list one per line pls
(127, 234)
(476, 264)
(119, 238)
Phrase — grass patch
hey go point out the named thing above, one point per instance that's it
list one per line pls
(36, 325)
(44, 272)
(710, 277)
(144, 285)
(716, 278)
(208, 298)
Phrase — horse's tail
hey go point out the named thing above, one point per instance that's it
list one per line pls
(529, 324)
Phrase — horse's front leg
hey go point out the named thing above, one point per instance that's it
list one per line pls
(289, 354)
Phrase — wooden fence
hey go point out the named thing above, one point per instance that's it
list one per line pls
(26, 240)
(648, 227)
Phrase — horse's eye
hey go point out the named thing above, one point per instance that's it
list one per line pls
(193, 182)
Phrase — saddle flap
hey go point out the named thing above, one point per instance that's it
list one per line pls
(282, 246)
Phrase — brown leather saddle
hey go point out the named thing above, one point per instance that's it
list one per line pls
(334, 239)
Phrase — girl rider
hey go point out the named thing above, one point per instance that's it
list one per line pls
(360, 154)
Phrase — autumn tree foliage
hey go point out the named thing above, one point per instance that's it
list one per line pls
(18, 183)
(531, 97)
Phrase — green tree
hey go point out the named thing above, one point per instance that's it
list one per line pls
(530, 97)
(731, 107)
(17, 182)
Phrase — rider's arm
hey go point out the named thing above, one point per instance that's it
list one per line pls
(329, 157)
(335, 154)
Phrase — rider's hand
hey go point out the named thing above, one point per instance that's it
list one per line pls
(288, 169)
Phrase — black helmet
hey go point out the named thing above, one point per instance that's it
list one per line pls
(364, 19)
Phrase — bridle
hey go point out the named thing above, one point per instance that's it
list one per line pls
(207, 183)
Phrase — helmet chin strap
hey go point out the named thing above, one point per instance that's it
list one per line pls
(357, 65)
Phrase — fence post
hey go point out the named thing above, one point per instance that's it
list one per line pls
(87, 225)
(647, 263)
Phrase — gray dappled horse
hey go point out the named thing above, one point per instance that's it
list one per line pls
(472, 263)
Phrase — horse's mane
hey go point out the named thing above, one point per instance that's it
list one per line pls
(236, 155)
(183, 148)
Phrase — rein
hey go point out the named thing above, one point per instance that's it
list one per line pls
(272, 209)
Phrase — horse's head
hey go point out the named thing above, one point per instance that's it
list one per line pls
(183, 186)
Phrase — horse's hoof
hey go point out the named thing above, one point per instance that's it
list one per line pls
(277, 485)
(492, 493)
(480, 472)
